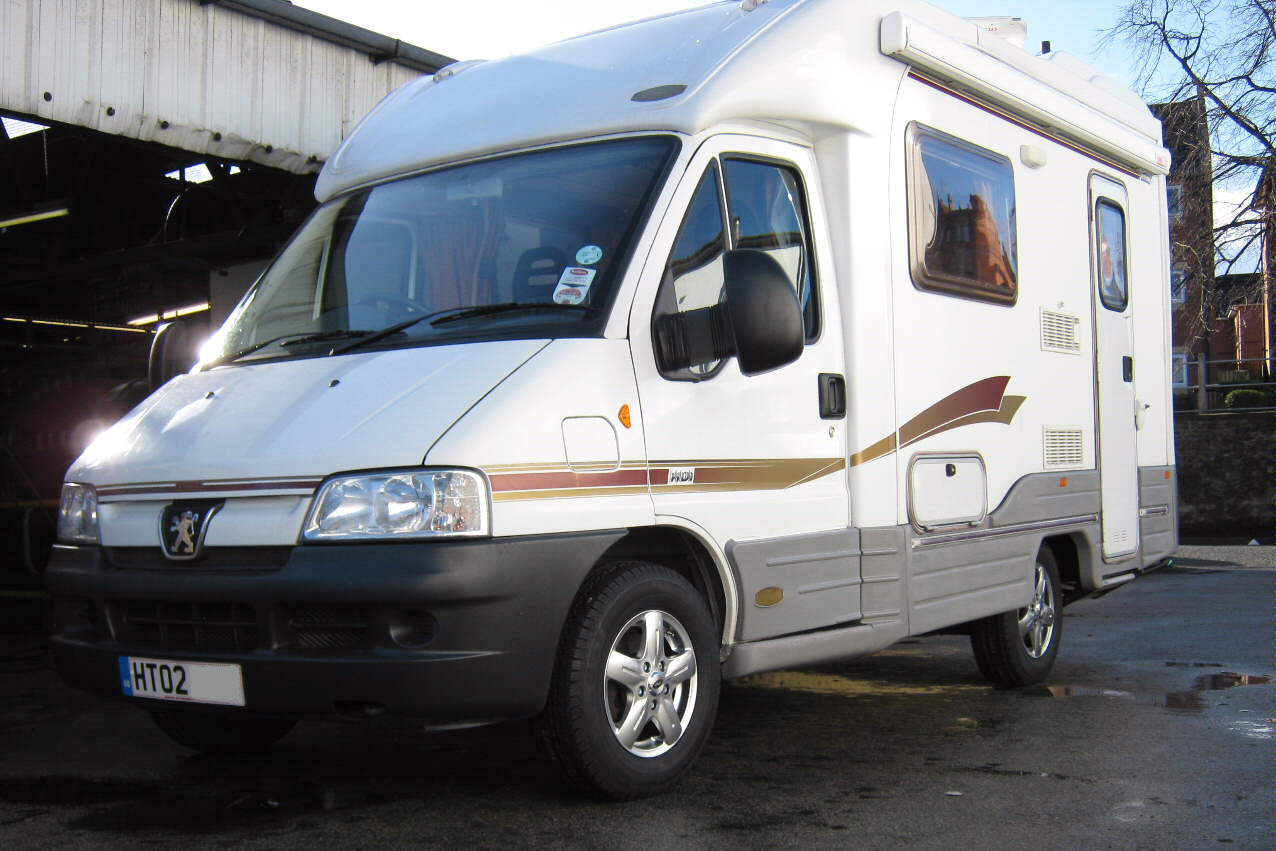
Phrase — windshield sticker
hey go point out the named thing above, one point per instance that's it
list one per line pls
(573, 285)
(588, 255)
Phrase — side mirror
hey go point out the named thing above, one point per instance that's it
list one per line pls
(173, 351)
(758, 320)
(765, 317)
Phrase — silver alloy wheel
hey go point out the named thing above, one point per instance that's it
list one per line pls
(1036, 623)
(649, 687)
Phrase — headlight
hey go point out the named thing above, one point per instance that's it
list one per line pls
(400, 504)
(77, 515)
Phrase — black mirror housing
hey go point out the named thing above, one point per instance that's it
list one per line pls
(173, 351)
(766, 320)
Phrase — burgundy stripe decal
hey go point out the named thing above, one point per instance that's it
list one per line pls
(205, 487)
(503, 482)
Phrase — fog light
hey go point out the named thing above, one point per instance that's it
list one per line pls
(412, 629)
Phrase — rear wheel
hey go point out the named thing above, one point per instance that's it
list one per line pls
(208, 732)
(1019, 648)
(636, 685)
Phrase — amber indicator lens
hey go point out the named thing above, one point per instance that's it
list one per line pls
(623, 416)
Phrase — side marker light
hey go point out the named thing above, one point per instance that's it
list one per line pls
(623, 416)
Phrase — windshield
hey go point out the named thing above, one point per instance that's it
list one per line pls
(530, 245)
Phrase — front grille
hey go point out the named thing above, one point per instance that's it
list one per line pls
(181, 625)
(318, 627)
(213, 558)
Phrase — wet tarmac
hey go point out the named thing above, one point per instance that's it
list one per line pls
(1155, 731)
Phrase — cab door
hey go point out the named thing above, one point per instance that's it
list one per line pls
(1114, 367)
(757, 462)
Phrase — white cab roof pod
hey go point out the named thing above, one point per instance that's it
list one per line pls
(813, 66)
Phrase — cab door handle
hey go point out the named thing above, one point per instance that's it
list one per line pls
(1127, 368)
(832, 396)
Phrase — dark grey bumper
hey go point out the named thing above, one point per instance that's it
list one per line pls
(452, 631)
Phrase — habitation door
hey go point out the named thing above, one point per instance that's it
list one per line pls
(1114, 367)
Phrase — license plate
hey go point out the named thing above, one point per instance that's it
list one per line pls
(188, 682)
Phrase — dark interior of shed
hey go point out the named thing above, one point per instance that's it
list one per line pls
(100, 237)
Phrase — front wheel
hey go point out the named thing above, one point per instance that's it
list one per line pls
(636, 685)
(1019, 648)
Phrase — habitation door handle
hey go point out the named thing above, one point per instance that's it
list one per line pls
(832, 396)
(1127, 368)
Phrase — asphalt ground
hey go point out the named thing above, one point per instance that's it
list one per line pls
(1154, 731)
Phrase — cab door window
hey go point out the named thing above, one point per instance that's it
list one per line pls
(693, 278)
(764, 209)
(767, 211)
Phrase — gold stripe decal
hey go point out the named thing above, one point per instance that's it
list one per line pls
(518, 483)
(985, 401)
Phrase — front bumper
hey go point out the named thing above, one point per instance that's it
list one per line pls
(453, 631)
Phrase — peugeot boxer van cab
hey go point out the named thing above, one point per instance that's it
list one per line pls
(758, 335)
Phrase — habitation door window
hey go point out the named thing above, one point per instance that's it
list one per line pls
(961, 218)
(1111, 273)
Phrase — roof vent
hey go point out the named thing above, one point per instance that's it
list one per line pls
(658, 93)
(1013, 30)
(449, 71)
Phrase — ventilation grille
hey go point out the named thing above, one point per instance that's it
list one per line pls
(182, 625)
(1059, 332)
(1063, 447)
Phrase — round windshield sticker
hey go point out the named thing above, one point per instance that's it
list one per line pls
(589, 255)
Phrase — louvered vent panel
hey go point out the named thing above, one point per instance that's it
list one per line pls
(1063, 447)
(1059, 332)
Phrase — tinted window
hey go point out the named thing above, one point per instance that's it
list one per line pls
(962, 218)
(542, 235)
(693, 276)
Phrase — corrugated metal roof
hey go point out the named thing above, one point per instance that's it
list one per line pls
(204, 78)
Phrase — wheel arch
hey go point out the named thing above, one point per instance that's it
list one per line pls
(683, 550)
(1069, 551)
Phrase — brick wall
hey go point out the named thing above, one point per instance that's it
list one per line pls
(1226, 474)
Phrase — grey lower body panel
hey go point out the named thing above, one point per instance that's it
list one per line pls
(1158, 513)
(912, 582)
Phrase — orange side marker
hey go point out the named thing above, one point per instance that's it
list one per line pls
(1063, 483)
(623, 416)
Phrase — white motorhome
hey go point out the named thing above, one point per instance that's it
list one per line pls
(758, 335)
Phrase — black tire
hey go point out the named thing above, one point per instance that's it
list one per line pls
(215, 733)
(1019, 648)
(584, 721)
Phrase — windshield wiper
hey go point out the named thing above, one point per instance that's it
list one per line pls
(440, 317)
(506, 307)
(293, 339)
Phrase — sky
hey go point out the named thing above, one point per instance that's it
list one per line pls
(490, 29)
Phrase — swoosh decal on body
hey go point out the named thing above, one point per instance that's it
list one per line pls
(984, 401)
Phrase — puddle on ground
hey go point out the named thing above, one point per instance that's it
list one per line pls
(1191, 699)
(1253, 729)
(820, 683)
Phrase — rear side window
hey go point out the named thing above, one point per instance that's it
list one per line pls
(1111, 272)
(961, 218)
